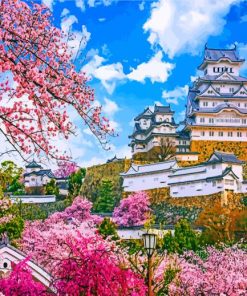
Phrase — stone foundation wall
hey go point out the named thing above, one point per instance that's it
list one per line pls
(206, 148)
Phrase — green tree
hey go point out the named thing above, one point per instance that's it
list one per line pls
(10, 175)
(108, 228)
(105, 201)
(51, 188)
(75, 181)
(184, 238)
(10, 222)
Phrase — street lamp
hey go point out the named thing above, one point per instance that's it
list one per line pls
(149, 240)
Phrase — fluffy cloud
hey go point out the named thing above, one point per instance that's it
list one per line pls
(184, 26)
(80, 4)
(173, 96)
(107, 74)
(155, 69)
(110, 107)
(48, 3)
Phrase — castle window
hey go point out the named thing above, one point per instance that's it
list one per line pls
(184, 142)
(221, 134)
(211, 120)
(202, 119)
(229, 134)
(214, 183)
(214, 166)
(144, 122)
(231, 89)
(214, 104)
(210, 92)
(202, 133)
(239, 104)
(243, 121)
(245, 105)
(230, 70)
(242, 93)
(211, 134)
(217, 89)
(239, 134)
(205, 104)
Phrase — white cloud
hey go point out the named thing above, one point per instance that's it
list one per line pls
(80, 4)
(110, 107)
(184, 26)
(67, 23)
(48, 3)
(65, 12)
(142, 5)
(101, 19)
(107, 74)
(155, 69)
(173, 96)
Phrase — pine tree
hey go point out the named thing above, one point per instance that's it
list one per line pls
(105, 202)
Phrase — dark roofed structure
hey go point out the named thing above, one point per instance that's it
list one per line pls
(163, 109)
(114, 159)
(225, 157)
(49, 173)
(33, 165)
(215, 55)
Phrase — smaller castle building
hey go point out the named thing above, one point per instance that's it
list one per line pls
(222, 171)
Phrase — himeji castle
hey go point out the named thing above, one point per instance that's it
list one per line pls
(216, 113)
(216, 109)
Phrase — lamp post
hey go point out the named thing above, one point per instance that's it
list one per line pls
(149, 240)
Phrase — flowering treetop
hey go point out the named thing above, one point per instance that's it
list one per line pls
(39, 82)
(65, 169)
(133, 210)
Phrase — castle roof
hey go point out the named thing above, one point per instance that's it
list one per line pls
(150, 168)
(215, 55)
(48, 173)
(114, 159)
(224, 157)
(163, 109)
(33, 164)
(218, 108)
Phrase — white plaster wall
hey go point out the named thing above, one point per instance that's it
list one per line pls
(195, 189)
(197, 135)
(235, 68)
(187, 157)
(145, 123)
(34, 199)
(145, 182)
(163, 117)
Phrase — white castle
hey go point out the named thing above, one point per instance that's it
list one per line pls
(216, 111)
(216, 116)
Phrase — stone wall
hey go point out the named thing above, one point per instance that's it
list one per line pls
(206, 148)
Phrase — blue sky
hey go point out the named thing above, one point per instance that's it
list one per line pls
(141, 52)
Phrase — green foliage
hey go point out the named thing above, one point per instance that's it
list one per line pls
(105, 202)
(10, 174)
(169, 276)
(244, 201)
(13, 228)
(108, 228)
(75, 182)
(51, 188)
(33, 212)
(110, 171)
(185, 238)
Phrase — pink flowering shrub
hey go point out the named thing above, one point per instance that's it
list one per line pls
(133, 210)
(20, 282)
(92, 268)
(223, 272)
(79, 259)
(65, 169)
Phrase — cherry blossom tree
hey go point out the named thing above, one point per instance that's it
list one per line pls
(133, 210)
(223, 272)
(68, 245)
(39, 83)
(20, 282)
(65, 169)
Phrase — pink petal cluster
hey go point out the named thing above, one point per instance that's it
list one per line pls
(133, 210)
(20, 282)
(40, 82)
(80, 260)
(66, 168)
(223, 272)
